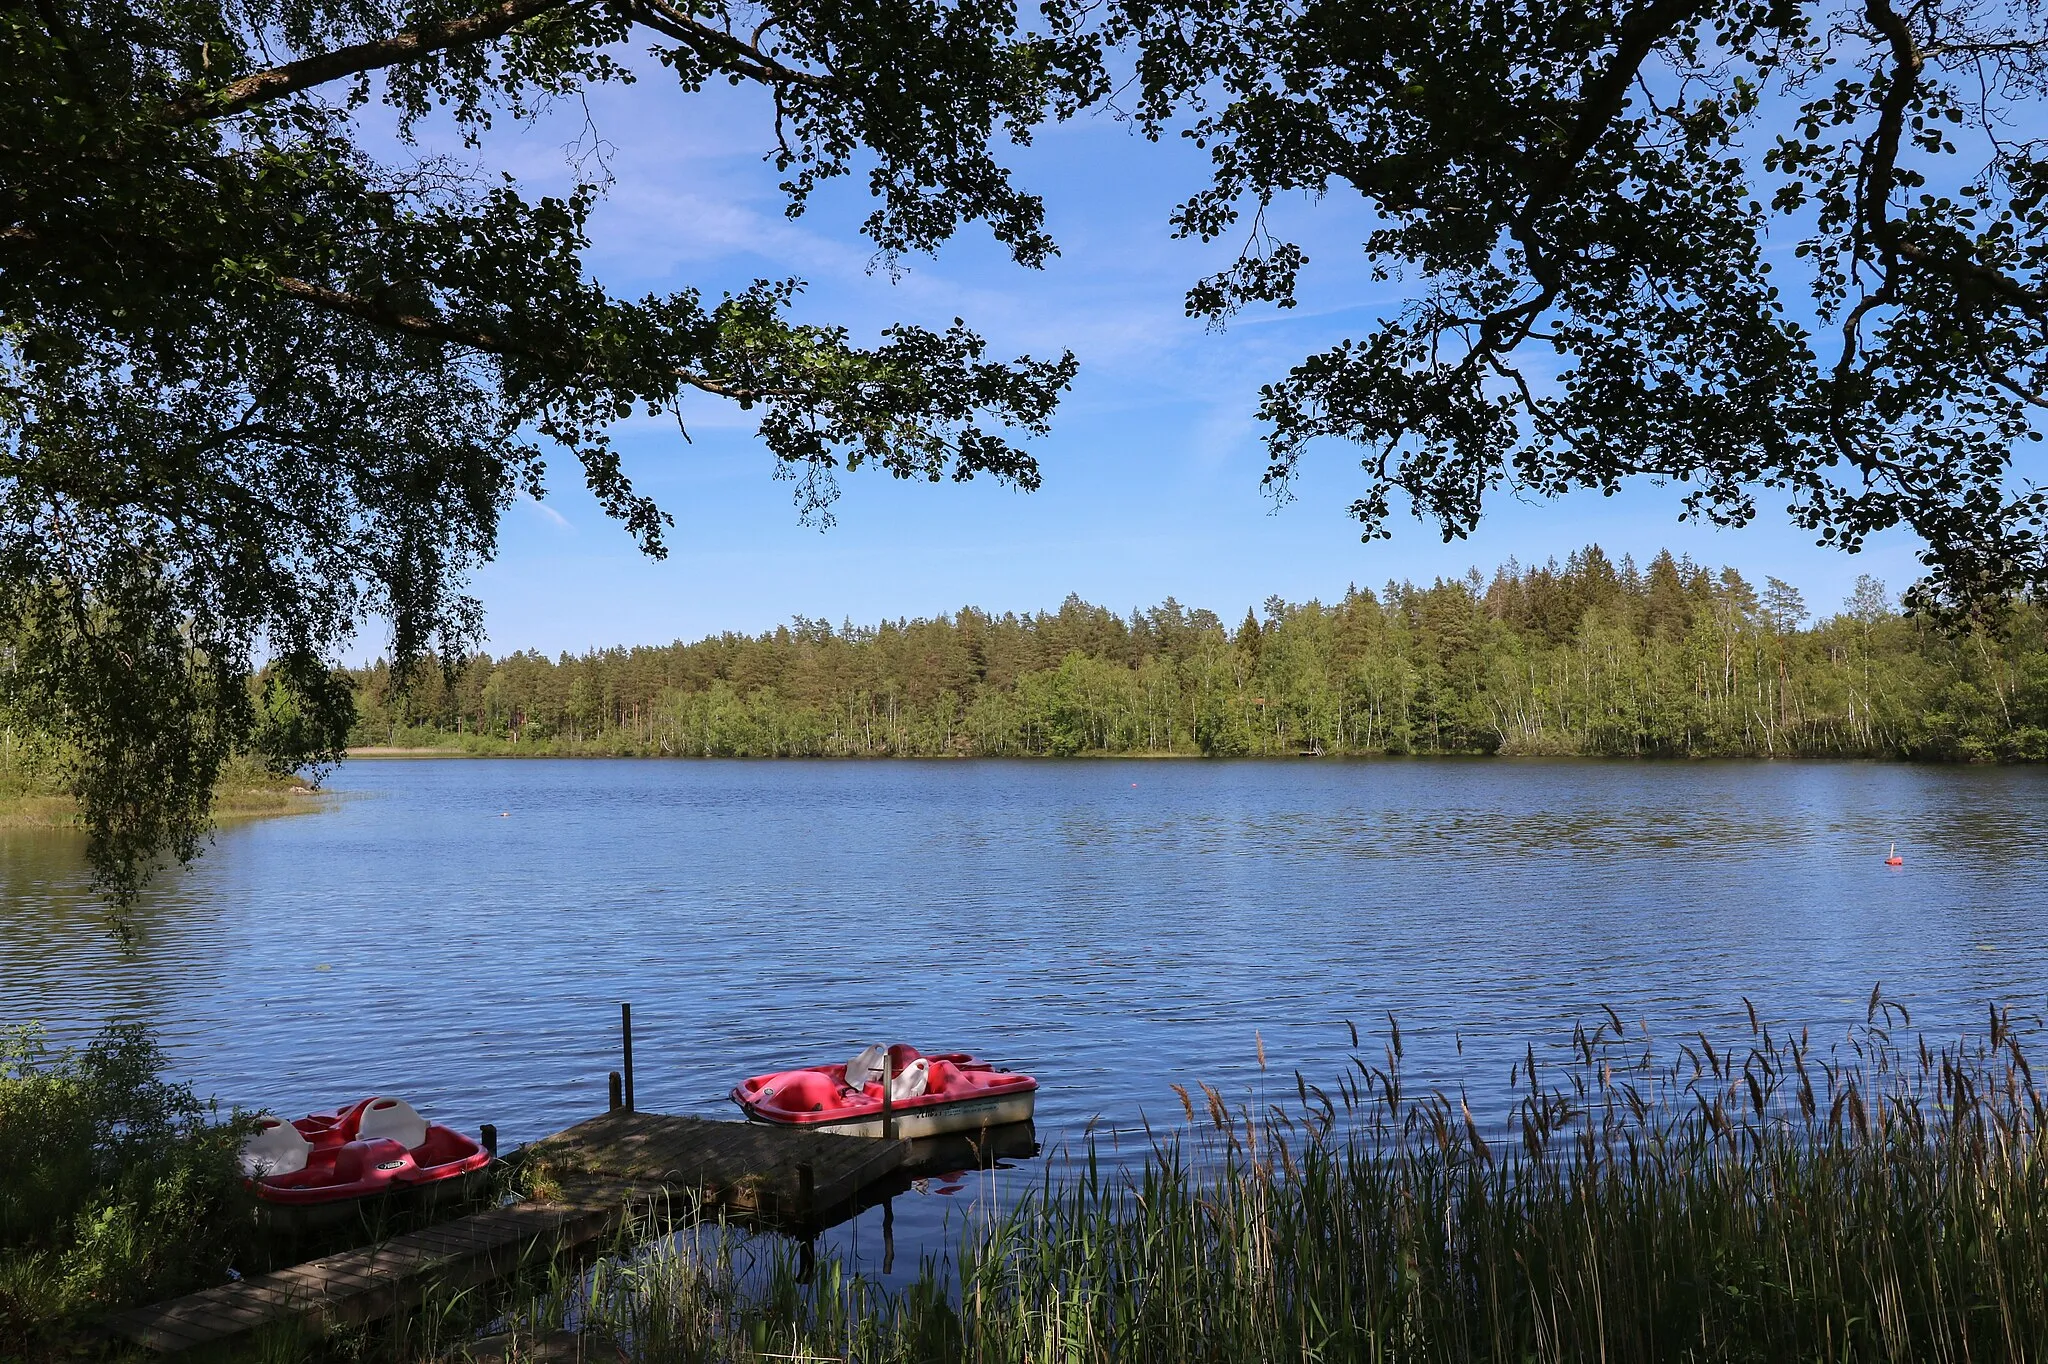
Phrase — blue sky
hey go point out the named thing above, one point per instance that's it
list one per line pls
(1152, 470)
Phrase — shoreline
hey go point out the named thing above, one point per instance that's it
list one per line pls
(60, 812)
(537, 753)
(381, 751)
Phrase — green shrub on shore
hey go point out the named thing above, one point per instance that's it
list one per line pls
(1876, 1201)
(120, 1186)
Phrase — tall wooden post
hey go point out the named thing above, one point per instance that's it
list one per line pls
(888, 1102)
(626, 1035)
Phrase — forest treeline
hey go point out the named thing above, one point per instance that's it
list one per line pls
(1588, 657)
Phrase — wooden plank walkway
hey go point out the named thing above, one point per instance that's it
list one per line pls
(608, 1168)
(372, 1281)
(779, 1173)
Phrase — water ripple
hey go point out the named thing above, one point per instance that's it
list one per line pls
(460, 932)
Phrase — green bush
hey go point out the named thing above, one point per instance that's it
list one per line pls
(121, 1187)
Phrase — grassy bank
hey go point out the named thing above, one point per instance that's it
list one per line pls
(1881, 1200)
(32, 796)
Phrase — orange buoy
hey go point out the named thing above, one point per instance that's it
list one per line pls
(1895, 860)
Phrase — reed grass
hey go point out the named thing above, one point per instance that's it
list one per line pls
(1879, 1199)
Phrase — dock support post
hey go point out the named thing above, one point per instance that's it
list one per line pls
(618, 1093)
(888, 1103)
(490, 1138)
(626, 1035)
(806, 1190)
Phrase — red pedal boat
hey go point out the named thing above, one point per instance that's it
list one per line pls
(380, 1145)
(930, 1095)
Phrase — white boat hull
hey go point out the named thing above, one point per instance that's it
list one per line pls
(967, 1115)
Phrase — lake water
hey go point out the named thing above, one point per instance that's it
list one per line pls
(460, 932)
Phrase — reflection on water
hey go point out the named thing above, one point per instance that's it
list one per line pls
(1108, 926)
(936, 1168)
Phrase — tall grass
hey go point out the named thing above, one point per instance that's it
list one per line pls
(1874, 1200)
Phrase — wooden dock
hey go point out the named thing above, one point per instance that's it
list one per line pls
(781, 1174)
(372, 1281)
(606, 1170)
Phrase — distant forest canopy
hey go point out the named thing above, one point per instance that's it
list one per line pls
(1592, 657)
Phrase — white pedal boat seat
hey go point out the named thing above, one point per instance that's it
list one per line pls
(275, 1149)
(394, 1118)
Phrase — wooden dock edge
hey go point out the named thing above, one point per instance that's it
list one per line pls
(889, 1156)
(368, 1283)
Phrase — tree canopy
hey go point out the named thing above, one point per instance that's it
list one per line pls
(1787, 249)
(262, 376)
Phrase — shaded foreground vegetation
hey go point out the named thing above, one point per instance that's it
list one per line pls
(119, 1187)
(1591, 657)
(1873, 1201)
(1877, 1199)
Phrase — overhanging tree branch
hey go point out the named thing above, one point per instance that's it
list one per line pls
(1880, 177)
(272, 386)
(431, 328)
(455, 334)
(723, 49)
(1601, 101)
(1606, 94)
(404, 46)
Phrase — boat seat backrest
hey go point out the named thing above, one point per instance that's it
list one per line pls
(865, 1068)
(393, 1118)
(912, 1082)
(277, 1148)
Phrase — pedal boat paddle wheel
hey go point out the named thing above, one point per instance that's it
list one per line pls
(929, 1096)
(333, 1162)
